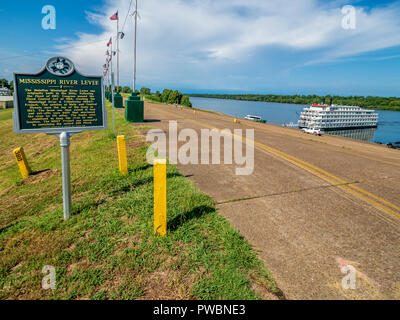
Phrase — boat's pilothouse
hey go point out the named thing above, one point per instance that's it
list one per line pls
(333, 117)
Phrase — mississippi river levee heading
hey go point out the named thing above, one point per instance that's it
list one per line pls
(59, 82)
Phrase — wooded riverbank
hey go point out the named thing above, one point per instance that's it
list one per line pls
(379, 103)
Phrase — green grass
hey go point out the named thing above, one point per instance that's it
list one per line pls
(107, 250)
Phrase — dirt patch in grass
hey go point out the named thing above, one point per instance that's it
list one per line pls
(168, 285)
(5, 191)
(44, 145)
(16, 267)
(40, 176)
(37, 243)
(127, 242)
(112, 286)
(79, 196)
(136, 142)
(85, 236)
(82, 263)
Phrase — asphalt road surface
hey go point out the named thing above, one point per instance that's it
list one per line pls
(316, 209)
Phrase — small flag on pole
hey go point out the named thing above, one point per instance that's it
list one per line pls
(109, 42)
(114, 16)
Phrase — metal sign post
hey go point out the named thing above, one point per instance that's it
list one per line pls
(65, 142)
(62, 102)
(66, 173)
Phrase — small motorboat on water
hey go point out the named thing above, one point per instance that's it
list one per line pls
(254, 118)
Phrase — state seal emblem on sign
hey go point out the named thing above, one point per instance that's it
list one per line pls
(60, 66)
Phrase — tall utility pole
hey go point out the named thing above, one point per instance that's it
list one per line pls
(134, 52)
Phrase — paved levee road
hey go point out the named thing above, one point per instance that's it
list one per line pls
(314, 207)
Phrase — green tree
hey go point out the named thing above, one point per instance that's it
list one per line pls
(165, 95)
(126, 89)
(175, 97)
(186, 101)
(145, 91)
(4, 83)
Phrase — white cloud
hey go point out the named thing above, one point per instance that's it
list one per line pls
(190, 42)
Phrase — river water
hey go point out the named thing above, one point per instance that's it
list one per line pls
(281, 113)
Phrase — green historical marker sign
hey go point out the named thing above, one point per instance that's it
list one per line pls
(58, 99)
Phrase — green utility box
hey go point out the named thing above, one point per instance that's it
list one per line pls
(134, 108)
(118, 101)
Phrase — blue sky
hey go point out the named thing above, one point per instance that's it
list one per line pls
(254, 46)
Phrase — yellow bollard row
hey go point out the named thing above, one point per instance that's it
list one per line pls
(160, 187)
(22, 162)
(160, 197)
(122, 158)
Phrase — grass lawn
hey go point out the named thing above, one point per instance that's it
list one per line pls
(107, 250)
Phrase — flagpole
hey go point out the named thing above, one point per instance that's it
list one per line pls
(111, 55)
(134, 55)
(113, 102)
(112, 86)
(109, 80)
(117, 53)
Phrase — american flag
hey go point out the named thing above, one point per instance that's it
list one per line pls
(114, 16)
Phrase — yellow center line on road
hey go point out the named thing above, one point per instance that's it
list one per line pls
(393, 206)
(335, 146)
(348, 187)
(380, 203)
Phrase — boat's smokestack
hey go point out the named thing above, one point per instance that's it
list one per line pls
(323, 100)
(330, 101)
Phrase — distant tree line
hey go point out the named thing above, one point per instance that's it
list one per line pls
(120, 89)
(125, 89)
(168, 96)
(383, 103)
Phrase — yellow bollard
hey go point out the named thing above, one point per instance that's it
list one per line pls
(160, 197)
(123, 161)
(23, 165)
